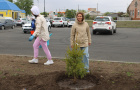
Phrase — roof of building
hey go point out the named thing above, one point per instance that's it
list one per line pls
(6, 5)
(23, 11)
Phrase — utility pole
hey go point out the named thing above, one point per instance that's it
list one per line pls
(78, 7)
(97, 8)
(38, 3)
(44, 8)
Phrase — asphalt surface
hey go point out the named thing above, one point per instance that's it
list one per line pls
(123, 46)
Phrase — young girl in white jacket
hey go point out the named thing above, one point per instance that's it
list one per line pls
(42, 35)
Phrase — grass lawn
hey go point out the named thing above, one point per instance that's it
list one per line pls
(123, 24)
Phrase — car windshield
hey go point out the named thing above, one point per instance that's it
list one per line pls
(72, 19)
(17, 19)
(23, 19)
(57, 18)
(101, 19)
(2, 20)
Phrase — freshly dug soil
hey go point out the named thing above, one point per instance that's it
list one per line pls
(17, 74)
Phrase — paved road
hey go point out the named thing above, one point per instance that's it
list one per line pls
(122, 46)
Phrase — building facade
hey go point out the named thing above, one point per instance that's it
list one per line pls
(134, 9)
(8, 9)
(93, 12)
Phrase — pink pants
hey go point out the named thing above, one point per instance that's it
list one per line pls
(36, 45)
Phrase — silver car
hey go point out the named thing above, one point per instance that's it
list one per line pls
(71, 22)
(59, 21)
(6, 23)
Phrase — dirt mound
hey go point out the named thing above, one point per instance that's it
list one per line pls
(54, 81)
(17, 74)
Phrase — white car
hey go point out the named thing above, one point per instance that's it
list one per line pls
(27, 26)
(59, 21)
(21, 21)
(71, 22)
(49, 25)
(104, 24)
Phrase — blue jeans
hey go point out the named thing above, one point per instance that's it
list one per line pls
(86, 57)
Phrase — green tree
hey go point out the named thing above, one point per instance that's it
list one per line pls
(25, 5)
(87, 16)
(70, 13)
(120, 14)
(46, 14)
(83, 11)
(60, 14)
(11, 1)
(107, 13)
(74, 64)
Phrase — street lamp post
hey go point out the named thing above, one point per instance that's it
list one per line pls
(97, 8)
(78, 7)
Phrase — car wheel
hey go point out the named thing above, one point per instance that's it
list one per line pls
(13, 27)
(111, 32)
(115, 30)
(94, 32)
(49, 28)
(25, 32)
(67, 25)
(2, 27)
(63, 25)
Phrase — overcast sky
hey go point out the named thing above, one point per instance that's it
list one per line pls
(103, 5)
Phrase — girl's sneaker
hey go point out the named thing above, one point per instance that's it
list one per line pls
(49, 62)
(33, 61)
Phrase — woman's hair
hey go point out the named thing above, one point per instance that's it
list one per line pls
(81, 14)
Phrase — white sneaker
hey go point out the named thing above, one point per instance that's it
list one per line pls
(49, 62)
(33, 61)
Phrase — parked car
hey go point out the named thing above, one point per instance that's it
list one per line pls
(27, 26)
(48, 24)
(59, 21)
(14, 21)
(6, 23)
(21, 21)
(51, 20)
(71, 22)
(104, 24)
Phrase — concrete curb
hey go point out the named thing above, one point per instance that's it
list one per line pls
(64, 58)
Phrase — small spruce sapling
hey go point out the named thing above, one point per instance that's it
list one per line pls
(74, 64)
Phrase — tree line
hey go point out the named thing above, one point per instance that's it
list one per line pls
(24, 5)
(27, 5)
